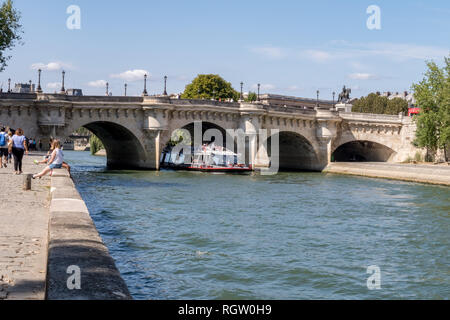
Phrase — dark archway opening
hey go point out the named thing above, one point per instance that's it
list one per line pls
(363, 151)
(123, 149)
(176, 150)
(295, 153)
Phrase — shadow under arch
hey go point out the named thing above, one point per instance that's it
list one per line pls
(208, 126)
(296, 153)
(123, 148)
(210, 132)
(363, 151)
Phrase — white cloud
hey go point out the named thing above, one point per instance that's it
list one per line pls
(131, 75)
(270, 52)
(405, 51)
(362, 76)
(344, 50)
(51, 66)
(54, 85)
(317, 55)
(97, 84)
(392, 51)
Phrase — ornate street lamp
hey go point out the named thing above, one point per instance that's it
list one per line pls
(318, 92)
(63, 90)
(107, 89)
(242, 91)
(334, 98)
(9, 85)
(145, 93)
(126, 89)
(259, 88)
(165, 86)
(39, 89)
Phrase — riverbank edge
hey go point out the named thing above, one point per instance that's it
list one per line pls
(76, 248)
(399, 175)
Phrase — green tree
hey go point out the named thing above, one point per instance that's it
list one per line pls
(433, 97)
(374, 103)
(10, 30)
(209, 86)
(96, 144)
(251, 97)
(180, 137)
(396, 105)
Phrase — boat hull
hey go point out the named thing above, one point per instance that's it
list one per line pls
(231, 170)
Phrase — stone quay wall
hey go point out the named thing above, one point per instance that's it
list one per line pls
(79, 264)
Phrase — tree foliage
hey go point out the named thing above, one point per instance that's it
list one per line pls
(251, 97)
(210, 86)
(10, 30)
(433, 97)
(96, 144)
(377, 104)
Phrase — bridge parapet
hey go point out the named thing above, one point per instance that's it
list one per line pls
(371, 117)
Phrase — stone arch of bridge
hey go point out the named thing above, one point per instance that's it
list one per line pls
(362, 150)
(296, 152)
(189, 125)
(124, 143)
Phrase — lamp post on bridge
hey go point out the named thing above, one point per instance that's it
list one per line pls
(145, 93)
(107, 89)
(165, 86)
(334, 99)
(39, 89)
(259, 88)
(63, 90)
(318, 92)
(242, 91)
(126, 86)
(9, 85)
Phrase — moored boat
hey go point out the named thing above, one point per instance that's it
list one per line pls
(207, 158)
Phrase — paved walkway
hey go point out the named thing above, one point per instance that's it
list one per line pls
(23, 234)
(424, 173)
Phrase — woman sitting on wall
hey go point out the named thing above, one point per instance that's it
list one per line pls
(55, 162)
(49, 154)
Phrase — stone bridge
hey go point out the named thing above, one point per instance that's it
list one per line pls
(135, 130)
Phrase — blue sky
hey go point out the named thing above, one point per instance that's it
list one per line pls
(290, 47)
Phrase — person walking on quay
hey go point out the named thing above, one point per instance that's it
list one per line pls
(4, 140)
(10, 135)
(19, 148)
(55, 162)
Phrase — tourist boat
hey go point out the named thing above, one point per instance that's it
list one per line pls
(207, 158)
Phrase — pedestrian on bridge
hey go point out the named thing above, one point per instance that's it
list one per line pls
(19, 148)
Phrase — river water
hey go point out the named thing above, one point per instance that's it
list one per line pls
(181, 235)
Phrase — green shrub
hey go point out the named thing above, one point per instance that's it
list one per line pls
(96, 144)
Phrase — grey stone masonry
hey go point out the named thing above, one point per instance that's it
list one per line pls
(79, 264)
(135, 130)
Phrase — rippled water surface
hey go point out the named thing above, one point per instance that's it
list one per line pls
(181, 235)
